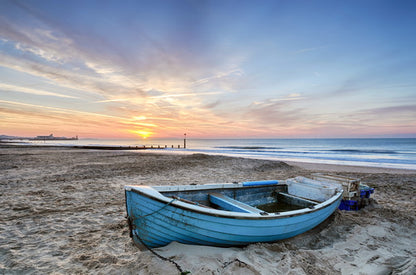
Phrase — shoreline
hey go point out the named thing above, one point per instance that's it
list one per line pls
(349, 168)
(64, 212)
(325, 167)
(378, 153)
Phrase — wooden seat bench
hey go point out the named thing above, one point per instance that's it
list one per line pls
(230, 204)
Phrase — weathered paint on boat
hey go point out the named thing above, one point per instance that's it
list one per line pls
(156, 220)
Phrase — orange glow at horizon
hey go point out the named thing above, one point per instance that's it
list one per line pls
(142, 133)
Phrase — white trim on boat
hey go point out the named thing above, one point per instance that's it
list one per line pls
(153, 192)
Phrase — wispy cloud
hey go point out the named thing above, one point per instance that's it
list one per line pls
(272, 101)
(17, 117)
(59, 110)
(275, 113)
(312, 49)
(185, 95)
(19, 89)
(113, 100)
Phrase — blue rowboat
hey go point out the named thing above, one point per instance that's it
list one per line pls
(231, 214)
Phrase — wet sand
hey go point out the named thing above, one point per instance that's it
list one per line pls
(63, 212)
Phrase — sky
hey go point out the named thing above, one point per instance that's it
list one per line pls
(211, 69)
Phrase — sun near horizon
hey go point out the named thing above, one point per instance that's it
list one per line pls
(142, 134)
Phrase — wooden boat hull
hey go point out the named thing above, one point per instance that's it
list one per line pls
(156, 220)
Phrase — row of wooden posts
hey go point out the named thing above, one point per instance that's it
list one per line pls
(159, 147)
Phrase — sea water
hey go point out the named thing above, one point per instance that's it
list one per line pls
(388, 153)
(373, 152)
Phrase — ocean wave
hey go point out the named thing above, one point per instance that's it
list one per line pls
(363, 151)
(247, 147)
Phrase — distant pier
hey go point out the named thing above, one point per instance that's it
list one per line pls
(51, 137)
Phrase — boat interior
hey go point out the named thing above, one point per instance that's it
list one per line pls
(246, 199)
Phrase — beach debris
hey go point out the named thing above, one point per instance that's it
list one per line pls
(356, 194)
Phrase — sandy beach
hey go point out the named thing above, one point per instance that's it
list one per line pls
(63, 212)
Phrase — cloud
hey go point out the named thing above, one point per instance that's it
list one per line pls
(272, 101)
(305, 50)
(58, 110)
(410, 109)
(46, 51)
(212, 104)
(394, 115)
(275, 112)
(228, 81)
(114, 72)
(51, 51)
(35, 119)
(113, 100)
(13, 88)
(34, 39)
(78, 80)
(286, 116)
(184, 95)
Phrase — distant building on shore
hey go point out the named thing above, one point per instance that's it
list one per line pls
(51, 137)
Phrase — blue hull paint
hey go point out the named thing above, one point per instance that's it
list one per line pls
(157, 223)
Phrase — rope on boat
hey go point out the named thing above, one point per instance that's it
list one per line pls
(182, 272)
(158, 209)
